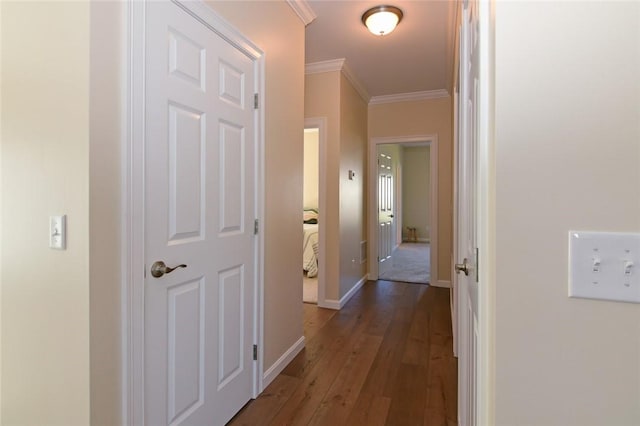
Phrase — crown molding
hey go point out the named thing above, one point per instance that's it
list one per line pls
(412, 96)
(324, 66)
(339, 65)
(303, 10)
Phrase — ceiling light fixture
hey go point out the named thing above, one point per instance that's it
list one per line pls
(381, 20)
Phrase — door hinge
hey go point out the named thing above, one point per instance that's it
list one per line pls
(256, 101)
(255, 352)
(256, 227)
(477, 264)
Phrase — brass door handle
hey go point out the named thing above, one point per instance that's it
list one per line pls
(158, 268)
(462, 267)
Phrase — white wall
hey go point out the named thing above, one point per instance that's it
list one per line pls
(311, 170)
(567, 141)
(416, 190)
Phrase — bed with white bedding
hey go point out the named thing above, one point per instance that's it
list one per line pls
(310, 249)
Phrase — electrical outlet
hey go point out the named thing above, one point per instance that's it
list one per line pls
(604, 265)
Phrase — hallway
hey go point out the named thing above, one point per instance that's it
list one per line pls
(385, 358)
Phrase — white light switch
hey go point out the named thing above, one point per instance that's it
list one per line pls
(602, 266)
(58, 232)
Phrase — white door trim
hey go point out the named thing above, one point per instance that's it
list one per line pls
(432, 141)
(320, 123)
(454, 303)
(133, 185)
(485, 192)
(485, 223)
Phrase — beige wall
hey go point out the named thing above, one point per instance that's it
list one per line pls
(431, 116)
(311, 171)
(322, 99)
(567, 158)
(353, 156)
(332, 96)
(106, 100)
(45, 171)
(276, 29)
(416, 189)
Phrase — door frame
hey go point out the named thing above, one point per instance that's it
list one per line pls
(133, 189)
(320, 123)
(372, 255)
(485, 219)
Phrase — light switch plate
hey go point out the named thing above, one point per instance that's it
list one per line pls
(604, 265)
(58, 232)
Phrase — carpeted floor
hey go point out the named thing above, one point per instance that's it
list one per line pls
(409, 263)
(309, 289)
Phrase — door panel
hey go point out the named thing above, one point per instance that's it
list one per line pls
(232, 168)
(186, 340)
(199, 211)
(467, 240)
(230, 323)
(186, 135)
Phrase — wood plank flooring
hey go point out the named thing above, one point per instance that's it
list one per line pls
(385, 359)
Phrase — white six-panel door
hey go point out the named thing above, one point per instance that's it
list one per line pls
(467, 220)
(386, 229)
(199, 211)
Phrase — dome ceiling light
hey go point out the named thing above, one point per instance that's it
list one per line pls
(381, 20)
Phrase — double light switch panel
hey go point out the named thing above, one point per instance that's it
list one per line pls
(604, 265)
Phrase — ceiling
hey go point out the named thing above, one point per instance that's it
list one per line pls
(416, 57)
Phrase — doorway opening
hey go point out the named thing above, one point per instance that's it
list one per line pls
(313, 212)
(310, 215)
(406, 188)
(403, 204)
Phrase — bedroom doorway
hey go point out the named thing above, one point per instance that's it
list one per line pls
(313, 212)
(408, 255)
(410, 195)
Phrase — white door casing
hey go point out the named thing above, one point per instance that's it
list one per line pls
(472, 174)
(195, 158)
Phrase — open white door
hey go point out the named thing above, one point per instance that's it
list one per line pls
(472, 134)
(199, 209)
(386, 231)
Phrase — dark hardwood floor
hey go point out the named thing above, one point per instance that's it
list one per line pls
(384, 359)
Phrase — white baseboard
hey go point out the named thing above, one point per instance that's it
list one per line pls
(330, 304)
(282, 362)
(441, 283)
(338, 304)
